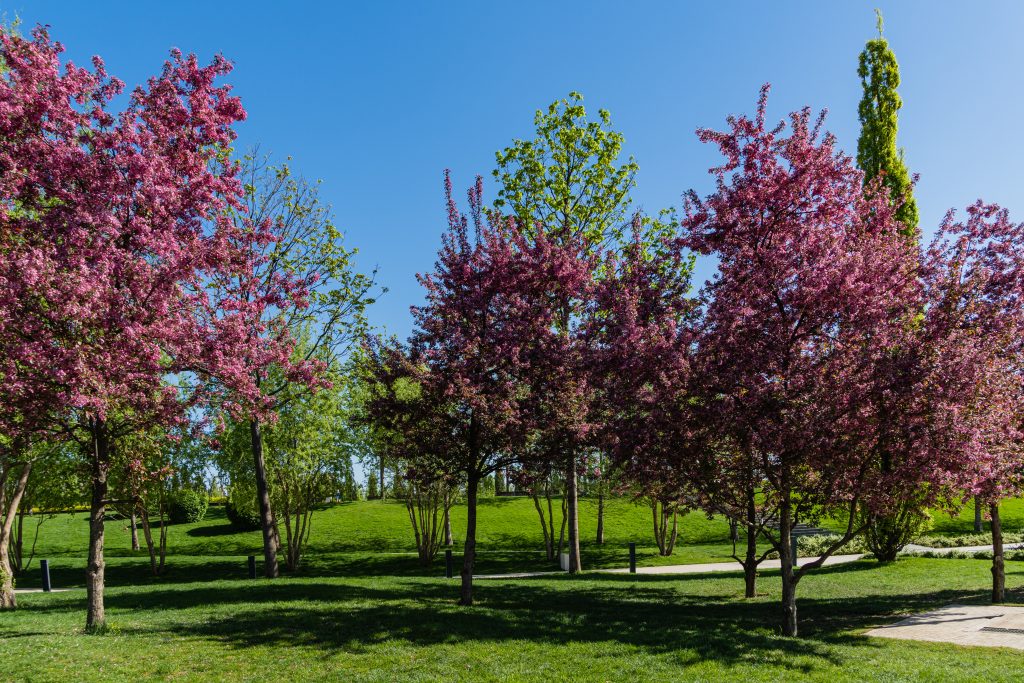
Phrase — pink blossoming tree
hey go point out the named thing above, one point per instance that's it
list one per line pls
(115, 229)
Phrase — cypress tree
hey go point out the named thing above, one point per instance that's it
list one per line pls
(876, 148)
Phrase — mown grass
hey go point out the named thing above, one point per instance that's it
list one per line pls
(375, 536)
(597, 627)
(369, 538)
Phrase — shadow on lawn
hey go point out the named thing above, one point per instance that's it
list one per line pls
(654, 614)
(603, 610)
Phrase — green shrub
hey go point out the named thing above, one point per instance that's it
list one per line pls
(965, 540)
(187, 506)
(813, 546)
(242, 509)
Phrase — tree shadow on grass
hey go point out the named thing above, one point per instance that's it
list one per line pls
(217, 530)
(692, 618)
(355, 618)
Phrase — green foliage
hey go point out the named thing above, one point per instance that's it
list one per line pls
(568, 179)
(241, 508)
(877, 152)
(962, 540)
(187, 506)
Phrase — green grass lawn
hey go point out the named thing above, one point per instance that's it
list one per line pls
(597, 627)
(376, 536)
(362, 608)
(370, 538)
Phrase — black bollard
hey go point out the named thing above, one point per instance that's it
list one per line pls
(793, 539)
(44, 566)
(252, 566)
(448, 570)
(632, 558)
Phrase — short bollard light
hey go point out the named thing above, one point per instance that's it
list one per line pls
(793, 540)
(44, 567)
(632, 558)
(448, 572)
(252, 566)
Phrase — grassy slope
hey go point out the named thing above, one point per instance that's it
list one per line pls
(374, 537)
(378, 531)
(599, 627)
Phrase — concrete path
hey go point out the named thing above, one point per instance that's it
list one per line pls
(19, 591)
(680, 568)
(986, 625)
(914, 549)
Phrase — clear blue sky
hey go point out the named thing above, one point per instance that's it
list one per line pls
(378, 98)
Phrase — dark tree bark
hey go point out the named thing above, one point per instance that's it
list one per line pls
(469, 554)
(998, 568)
(267, 525)
(600, 518)
(978, 527)
(751, 560)
(789, 625)
(447, 525)
(95, 618)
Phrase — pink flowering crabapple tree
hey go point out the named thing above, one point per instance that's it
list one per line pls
(974, 275)
(469, 350)
(115, 229)
(642, 328)
(813, 288)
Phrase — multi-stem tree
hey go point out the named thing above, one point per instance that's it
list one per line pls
(813, 288)
(974, 275)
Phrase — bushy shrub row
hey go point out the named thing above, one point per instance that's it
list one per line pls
(813, 546)
(965, 540)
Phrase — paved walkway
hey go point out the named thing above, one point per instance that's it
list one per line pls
(680, 568)
(19, 591)
(987, 625)
(914, 549)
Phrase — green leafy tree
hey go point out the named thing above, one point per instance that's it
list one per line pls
(569, 181)
(877, 153)
(307, 458)
(309, 249)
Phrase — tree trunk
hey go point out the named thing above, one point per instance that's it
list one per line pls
(148, 534)
(269, 528)
(17, 539)
(380, 484)
(750, 563)
(998, 570)
(572, 502)
(447, 525)
(977, 516)
(600, 518)
(469, 554)
(549, 547)
(135, 532)
(94, 574)
(7, 595)
(789, 627)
